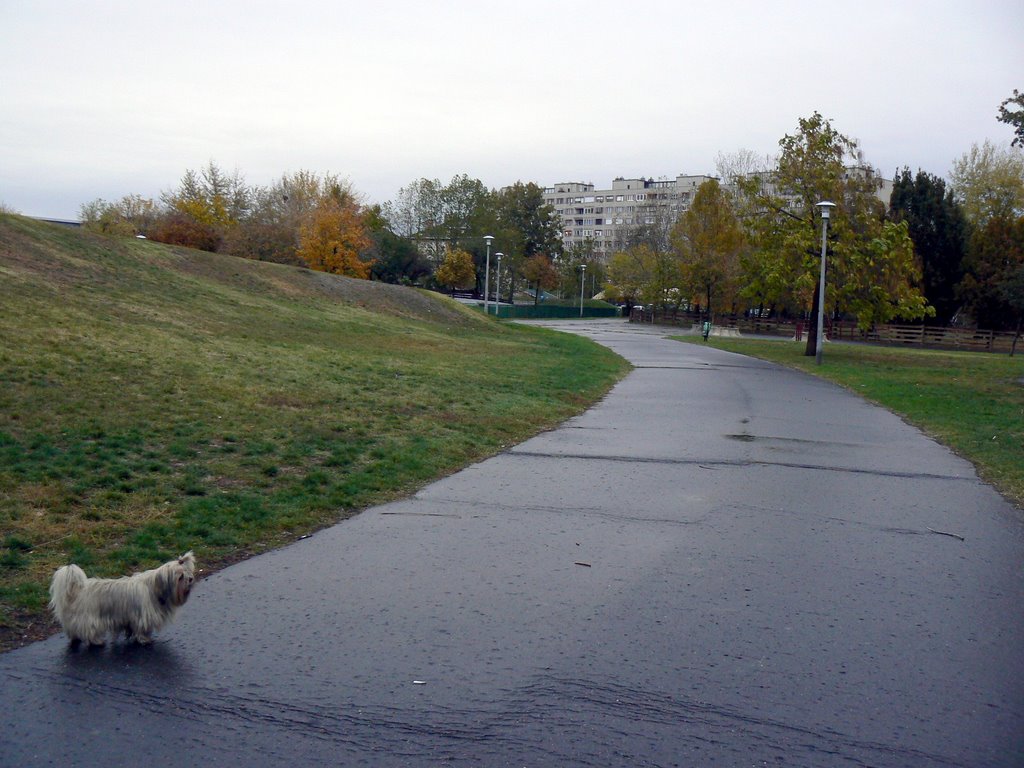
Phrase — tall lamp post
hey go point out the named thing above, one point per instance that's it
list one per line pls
(825, 207)
(487, 272)
(583, 278)
(497, 284)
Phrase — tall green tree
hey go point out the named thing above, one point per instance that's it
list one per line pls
(416, 208)
(1012, 288)
(993, 267)
(395, 258)
(708, 241)
(440, 217)
(940, 232)
(526, 226)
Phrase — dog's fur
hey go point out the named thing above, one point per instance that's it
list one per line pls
(138, 605)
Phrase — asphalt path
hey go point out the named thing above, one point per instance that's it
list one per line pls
(722, 563)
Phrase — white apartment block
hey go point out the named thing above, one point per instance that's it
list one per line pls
(605, 217)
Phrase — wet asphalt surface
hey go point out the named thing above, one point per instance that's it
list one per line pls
(722, 563)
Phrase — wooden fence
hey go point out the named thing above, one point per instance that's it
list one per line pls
(924, 336)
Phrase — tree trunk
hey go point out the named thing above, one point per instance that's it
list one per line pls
(1013, 344)
(812, 326)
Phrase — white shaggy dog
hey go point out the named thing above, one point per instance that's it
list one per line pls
(138, 605)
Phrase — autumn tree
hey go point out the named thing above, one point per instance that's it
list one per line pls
(627, 276)
(818, 163)
(457, 270)
(708, 241)
(177, 228)
(131, 215)
(539, 270)
(271, 230)
(988, 182)
(220, 197)
(645, 275)
(940, 231)
(205, 206)
(333, 237)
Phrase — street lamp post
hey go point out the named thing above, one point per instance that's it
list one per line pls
(487, 272)
(825, 207)
(497, 284)
(583, 278)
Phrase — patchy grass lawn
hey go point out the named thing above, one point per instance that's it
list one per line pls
(157, 399)
(972, 402)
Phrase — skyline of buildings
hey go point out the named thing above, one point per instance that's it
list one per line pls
(605, 217)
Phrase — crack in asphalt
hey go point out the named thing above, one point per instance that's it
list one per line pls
(706, 463)
(563, 509)
(697, 367)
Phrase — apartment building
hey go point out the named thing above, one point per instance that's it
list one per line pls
(605, 217)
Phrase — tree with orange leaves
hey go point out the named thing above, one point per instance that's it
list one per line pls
(332, 237)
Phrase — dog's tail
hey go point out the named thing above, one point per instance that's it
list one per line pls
(64, 588)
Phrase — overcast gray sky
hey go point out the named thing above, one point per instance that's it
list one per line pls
(103, 99)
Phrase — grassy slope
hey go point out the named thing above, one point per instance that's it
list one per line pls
(970, 401)
(156, 399)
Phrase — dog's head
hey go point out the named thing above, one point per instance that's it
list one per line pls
(174, 580)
